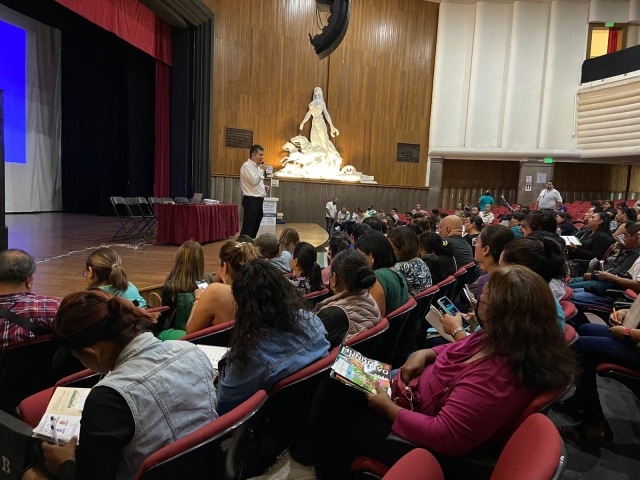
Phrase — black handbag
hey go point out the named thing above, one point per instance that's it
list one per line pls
(16, 447)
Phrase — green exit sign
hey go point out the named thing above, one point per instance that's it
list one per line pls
(548, 160)
(609, 24)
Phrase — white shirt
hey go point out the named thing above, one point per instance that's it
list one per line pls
(343, 217)
(548, 198)
(487, 217)
(331, 210)
(252, 180)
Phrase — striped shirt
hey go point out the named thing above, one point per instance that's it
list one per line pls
(39, 309)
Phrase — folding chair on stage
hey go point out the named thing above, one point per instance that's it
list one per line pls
(148, 214)
(128, 221)
(182, 200)
(137, 216)
(168, 200)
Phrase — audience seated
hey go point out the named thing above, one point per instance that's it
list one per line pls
(288, 240)
(337, 243)
(307, 274)
(351, 310)
(539, 220)
(599, 344)
(409, 264)
(515, 223)
(487, 215)
(438, 255)
(565, 224)
(519, 355)
(104, 270)
(459, 210)
(472, 227)
(416, 226)
(274, 335)
(177, 291)
(623, 272)
(390, 290)
(142, 378)
(625, 214)
(450, 229)
(215, 305)
(17, 269)
(409, 217)
(359, 231)
(544, 257)
(269, 248)
(374, 222)
(489, 246)
(596, 242)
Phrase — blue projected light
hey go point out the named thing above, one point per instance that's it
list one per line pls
(13, 75)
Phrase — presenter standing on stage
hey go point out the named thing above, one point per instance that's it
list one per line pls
(253, 190)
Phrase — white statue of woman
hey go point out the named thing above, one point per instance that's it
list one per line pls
(319, 138)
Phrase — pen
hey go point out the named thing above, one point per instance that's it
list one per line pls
(615, 316)
(53, 430)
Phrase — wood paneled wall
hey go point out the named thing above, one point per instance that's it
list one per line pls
(581, 177)
(377, 85)
(303, 202)
(480, 174)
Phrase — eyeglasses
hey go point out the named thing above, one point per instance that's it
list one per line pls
(84, 274)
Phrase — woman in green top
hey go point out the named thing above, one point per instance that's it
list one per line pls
(390, 290)
(104, 270)
(178, 290)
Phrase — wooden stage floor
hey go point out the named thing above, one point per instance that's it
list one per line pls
(47, 235)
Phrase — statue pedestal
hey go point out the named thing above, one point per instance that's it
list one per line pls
(269, 212)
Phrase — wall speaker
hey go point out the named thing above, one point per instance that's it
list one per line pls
(326, 42)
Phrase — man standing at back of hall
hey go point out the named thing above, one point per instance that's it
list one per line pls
(549, 198)
(253, 190)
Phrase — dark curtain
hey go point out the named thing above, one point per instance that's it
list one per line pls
(162, 185)
(108, 119)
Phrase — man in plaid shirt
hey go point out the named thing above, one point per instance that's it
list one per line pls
(17, 268)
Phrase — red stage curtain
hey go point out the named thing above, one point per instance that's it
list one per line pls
(614, 39)
(129, 20)
(162, 185)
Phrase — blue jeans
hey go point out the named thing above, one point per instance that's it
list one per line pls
(583, 299)
(580, 282)
(596, 346)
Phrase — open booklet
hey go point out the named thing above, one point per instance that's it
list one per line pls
(569, 239)
(215, 354)
(360, 372)
(63, 413)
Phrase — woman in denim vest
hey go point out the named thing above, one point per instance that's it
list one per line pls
(134, 410)
(274, 335)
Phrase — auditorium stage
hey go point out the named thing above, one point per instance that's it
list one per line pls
(47, 235)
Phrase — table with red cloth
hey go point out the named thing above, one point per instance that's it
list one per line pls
(202, 223)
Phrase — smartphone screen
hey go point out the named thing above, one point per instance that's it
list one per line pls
(448, 306)
(202, 284)
(469, 295)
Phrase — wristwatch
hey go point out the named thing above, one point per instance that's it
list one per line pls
(626, 335)
(457, 330)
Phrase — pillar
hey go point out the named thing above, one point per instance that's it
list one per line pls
(533, 168)
(434, 182)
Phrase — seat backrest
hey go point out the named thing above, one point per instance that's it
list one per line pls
(313, 298)
(570, 335)
(446, 286)
(418, 464)
(609, 250)
(569, 310)
(25, 368)
(407, 340)
(541, 404)
(182, 200)
(534, 452)
(288, 410)
(387, 347)
(153, 200)
(201, 453)
(217, 336)
(367, 341)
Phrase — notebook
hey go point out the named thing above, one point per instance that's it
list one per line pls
(215, 354)
(65, 407)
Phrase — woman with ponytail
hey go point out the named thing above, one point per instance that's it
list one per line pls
(307, 276)
(438, 255)
(215, 305)
(135, 409)
(351, 310)
(104, 270)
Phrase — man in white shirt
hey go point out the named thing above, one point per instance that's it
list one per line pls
(549, 198)
(343, 215)
(393, 213)
(417, 209)
(487, 215)
(331, 213)
(253, 190)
